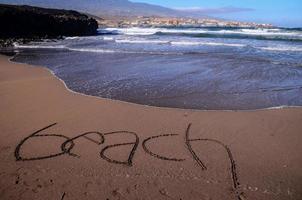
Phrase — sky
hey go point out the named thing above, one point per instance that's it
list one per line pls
(287, 13)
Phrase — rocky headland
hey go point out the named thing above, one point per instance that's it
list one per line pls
(27, 22)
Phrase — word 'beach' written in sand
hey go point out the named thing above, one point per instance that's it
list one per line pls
(69, 143)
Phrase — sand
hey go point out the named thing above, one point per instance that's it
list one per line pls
(56, 144)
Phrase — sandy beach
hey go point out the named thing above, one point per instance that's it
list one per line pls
(57, 144)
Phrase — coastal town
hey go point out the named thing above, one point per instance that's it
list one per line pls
(143, 21)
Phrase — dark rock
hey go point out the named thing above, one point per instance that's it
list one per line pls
(33, 22)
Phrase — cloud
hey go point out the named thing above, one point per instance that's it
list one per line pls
(222, 10)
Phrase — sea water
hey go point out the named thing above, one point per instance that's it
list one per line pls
(197, 68)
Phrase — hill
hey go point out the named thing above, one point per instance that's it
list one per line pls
(107, 7)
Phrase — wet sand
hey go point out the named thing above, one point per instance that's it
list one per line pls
(56, 144)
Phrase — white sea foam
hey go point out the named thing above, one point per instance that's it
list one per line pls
(189, 43)
(72, 38)
(151, 31)
(272, 32)
(93, 50)
(96, 50)
(16, 45)
(281, 48)
(108, 38)
(177, 43)
(132, 31)
(252, 32)
(143, 41)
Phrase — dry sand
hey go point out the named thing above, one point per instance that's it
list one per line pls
(222, 155)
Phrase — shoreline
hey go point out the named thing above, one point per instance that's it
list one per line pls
(130, 151)
(151, 106)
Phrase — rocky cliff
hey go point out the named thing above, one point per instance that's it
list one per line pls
(34, 22)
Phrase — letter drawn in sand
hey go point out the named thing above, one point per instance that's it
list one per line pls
(66, 146)
(236, 184)
(134, 145)
(148, 151)
(85, 136)
(36, 134)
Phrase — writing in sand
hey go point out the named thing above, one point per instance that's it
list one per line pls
(69, 144)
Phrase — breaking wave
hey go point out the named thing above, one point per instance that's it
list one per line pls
(263, 34)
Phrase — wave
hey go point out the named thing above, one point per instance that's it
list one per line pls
(179, 43)
(71, 38)
(241, 33)
(187, 43)
(96, 50)
(108, 38)
(176, 43)
(92, 50)
(231, 35)
(148, 31)
(130, 31)
(16, 45)
(143, 41)
(172, 43)
(281, 48)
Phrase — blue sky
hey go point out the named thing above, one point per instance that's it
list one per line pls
(286, 13)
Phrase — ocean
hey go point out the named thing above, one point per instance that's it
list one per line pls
(194, 68)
